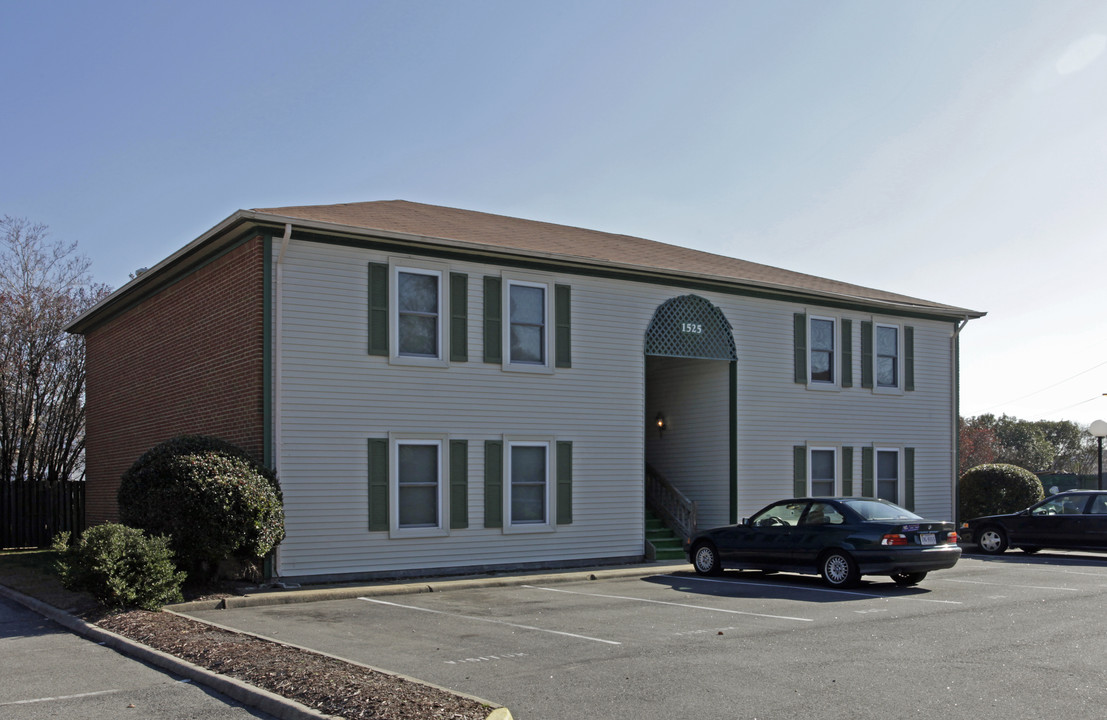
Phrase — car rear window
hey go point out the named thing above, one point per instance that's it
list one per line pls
(879, 510)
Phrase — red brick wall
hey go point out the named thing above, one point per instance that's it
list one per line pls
(186, 360)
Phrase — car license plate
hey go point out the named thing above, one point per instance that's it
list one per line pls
(927, 539)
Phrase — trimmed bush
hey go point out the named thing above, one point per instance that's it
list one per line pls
(995, 489)
(213, 500)
(120, 566)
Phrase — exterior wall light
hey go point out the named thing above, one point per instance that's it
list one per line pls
(660, 422)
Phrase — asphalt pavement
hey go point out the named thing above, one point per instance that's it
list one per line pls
(1007, 637)
(46, 671)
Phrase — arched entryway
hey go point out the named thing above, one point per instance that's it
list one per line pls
(691, 413)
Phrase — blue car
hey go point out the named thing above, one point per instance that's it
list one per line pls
(839, 538)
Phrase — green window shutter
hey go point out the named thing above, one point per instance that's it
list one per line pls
(459, 484)
(909, 478)
(866, 354)
(378, 484)
(847, 353)
(564, 482)
(378, 309)
(867, 472)
(799, 345)
(493, 483)
(847, 471)
(563, 336)
(799, 471)
(908, 358)
(459, 317)
(493, 321)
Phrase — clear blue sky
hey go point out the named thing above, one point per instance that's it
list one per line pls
(955, 151)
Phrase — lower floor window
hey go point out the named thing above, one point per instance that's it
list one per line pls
(418, 484)
(887, 475)
(822, 473)
(529, 480)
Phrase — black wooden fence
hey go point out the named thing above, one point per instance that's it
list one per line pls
(32, 513)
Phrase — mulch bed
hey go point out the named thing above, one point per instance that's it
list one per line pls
(325, 684)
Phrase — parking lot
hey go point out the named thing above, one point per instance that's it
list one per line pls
(1007, 637)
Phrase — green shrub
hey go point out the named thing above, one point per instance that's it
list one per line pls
(213, 500)
(995, 489)
(120, 566)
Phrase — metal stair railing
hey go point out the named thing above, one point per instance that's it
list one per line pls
(670, 504)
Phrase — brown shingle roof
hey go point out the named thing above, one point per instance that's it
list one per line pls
(508, 233)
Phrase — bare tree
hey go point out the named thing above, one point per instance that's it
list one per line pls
(43, 286)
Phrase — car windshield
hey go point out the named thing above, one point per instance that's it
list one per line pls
(880, 510)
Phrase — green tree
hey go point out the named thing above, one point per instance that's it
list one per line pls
(1073, 446)
(1018, 442)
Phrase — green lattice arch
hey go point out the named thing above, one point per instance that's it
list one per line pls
(690, 326)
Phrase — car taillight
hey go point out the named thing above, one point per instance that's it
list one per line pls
(894, 539)
(952, 537)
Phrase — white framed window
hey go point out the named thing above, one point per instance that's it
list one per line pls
(822, 471)
(417, 302)
(418, 490)
(528, 488)
(889, 478)
(887, 357)
(527, 324)
(823, 352)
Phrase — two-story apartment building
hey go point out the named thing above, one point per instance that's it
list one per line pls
(443, 390)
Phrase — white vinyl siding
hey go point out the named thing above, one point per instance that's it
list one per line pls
(333, 396)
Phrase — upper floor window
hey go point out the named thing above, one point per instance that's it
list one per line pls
(415, 315)
(528, 322)
(822, 350)
(419, 312)
(887, 356)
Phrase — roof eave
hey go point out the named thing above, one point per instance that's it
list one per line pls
(215, 239)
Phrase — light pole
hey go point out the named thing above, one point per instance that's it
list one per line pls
(1098, 428)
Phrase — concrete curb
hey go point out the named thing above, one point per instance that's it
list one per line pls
(389, 673)
(384, 589)
(270, 703)
(250, 695)
(277, 705)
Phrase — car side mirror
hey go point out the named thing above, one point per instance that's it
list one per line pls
(746, 521)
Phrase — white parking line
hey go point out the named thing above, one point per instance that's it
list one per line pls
(816, 589)
(60, 697)
(1024, 587)
(490, 620)
(674, 604)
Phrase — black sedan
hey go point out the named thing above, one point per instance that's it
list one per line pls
(838, 538)
(1075, 520)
